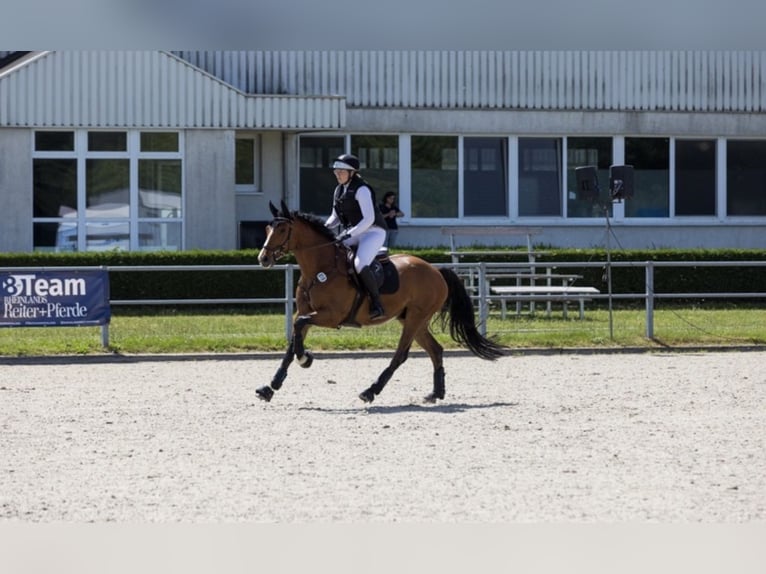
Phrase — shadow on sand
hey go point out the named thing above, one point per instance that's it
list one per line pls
(442, 408)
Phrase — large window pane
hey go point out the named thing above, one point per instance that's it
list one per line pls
(650, 158)
(379, 162)
(317, 181)
(55, 187)
(434, 176)
(540, 176)
(695, 177)
(159, 188)
(107, 187)
(746, 177)
(485, 176)
(582, 152)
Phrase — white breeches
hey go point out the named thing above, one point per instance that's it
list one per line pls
(369, 243)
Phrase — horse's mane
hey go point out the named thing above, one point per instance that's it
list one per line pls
(316, 223)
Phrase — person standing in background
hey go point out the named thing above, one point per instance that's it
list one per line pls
(390, 212)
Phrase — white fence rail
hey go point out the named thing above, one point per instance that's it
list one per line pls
(481, 273)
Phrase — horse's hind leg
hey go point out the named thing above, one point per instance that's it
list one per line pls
(295, 348)
(431, 346)
(401, 354)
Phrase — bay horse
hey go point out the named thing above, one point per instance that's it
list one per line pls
(327, 296)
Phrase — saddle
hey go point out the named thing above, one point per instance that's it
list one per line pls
(382, 268)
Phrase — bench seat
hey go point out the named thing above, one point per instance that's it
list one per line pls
(563, 294)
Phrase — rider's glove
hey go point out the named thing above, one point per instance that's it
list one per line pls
(342, 238)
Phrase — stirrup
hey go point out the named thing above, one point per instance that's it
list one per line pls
(377, 312)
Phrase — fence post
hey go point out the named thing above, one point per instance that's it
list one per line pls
(105, 326)
(289, 301)
(650, 300)
(483, 303)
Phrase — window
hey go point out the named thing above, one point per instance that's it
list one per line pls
(107, 187)
(540, 176)
(485, 176)
(581, 152)
(98, 190)
(434, 176)
(54, 196)
(159, 142)
(746, 177)
(317, 181)
(107, 141)
(247, 164)
(650, 158)
(379, 162)
(160, 186)
(54, 141)
(695, 178)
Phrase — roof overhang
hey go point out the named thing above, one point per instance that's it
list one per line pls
(146, 89)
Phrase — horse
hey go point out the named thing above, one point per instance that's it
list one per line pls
(327, 295)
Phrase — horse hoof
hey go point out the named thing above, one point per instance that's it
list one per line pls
(265, 393)
(306, 360)
(367, 396)
(431, 398)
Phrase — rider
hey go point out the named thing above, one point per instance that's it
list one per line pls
(363, 226)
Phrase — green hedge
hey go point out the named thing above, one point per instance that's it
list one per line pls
(129, 285)
(235, 284)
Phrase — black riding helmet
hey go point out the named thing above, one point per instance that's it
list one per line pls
(346, 161)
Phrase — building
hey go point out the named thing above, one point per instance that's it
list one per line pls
(149, 150)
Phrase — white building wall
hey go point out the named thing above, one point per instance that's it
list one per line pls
(555, 123)
(210, 210)
(16, 190)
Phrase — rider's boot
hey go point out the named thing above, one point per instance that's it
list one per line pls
(368, 280)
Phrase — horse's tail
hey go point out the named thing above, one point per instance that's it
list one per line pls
(462, 322)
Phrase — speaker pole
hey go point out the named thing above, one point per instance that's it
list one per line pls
(609, 269)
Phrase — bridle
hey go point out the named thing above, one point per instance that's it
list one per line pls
(280, 250)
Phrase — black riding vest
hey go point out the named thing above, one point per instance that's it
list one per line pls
(347, 206)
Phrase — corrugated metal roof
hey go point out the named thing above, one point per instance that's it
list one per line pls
(542, 80)
(146, 89)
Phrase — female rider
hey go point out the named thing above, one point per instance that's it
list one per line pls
(362, 225)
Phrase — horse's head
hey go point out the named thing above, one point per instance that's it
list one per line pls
(297, 232)
(278, 235)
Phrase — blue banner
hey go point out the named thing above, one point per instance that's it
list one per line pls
(33, 298)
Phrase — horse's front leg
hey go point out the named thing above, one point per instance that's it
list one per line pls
(294, 350)
(304, 357)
